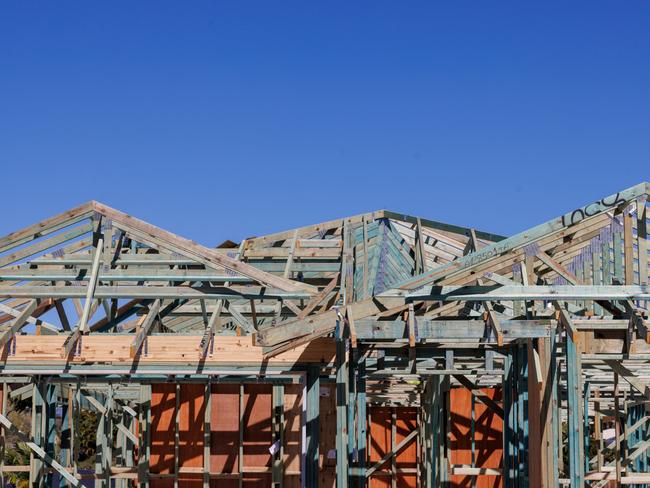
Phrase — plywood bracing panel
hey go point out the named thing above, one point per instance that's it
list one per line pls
(470, 416)
(242, 425)
(163, 408)
(191, 414)
(292, 435)
(257, 435)
(224, 434)
(327, 436)
(387, 427)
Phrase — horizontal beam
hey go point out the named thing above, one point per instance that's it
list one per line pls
(324, 322)
(147, 292)
(152, 260)
(432, 224)
(372, 329)
(173, 350)
(533, 292)
(118, 275)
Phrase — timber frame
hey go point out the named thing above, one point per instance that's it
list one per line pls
(96, 306)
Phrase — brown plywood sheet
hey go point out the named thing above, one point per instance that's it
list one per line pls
(380, 427)
(257, 433)
(327, 436)
(488, 436)
(163, 406)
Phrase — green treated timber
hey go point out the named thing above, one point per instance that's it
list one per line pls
(18, 323)
(574, 414)
(361, 423)
(342, 389)
(606, 204)
(50, 397)
(313, 425)
(371, 329)
(117, 275)
(533, 292)
(42, 245)
(442, 226)
(150, 292)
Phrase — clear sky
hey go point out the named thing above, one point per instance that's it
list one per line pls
(226, 119)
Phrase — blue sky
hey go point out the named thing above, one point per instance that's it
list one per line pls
(219, 119)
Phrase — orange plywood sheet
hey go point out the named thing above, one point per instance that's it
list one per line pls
(163, 406)
(406, 422)
(257, 433)
(224, 435)
(252, 411)
(488, 436)
(380, 441)
(292, 435)
(327, 436)
(190, 432)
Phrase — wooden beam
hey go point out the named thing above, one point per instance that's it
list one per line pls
(208, 336)
(411, 325)
(317, 299)
(31, 319)
(558, 268)
(47, 226)
(92, 284)
(290, 257)
(629, 376)
(147, 292)
(532, 292)
(520, 240)
(353, 330)
(322, 323)
(18, 323)
(240, 319)
(142, 330)
(628, 246)
(642, 239)
(492, 319)
(201, 254)
(422, 260)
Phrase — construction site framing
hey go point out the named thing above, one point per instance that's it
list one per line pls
(166, 339)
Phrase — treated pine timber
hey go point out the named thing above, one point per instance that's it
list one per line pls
(401, 352)
(146, 292)
(116, 348)
(208, 257)
(534, 292)
(118, 275)
(45, 244)
(449, 330)
(142, 329)
(522, 239)
(47, 226)
(19, 322)
(324, 322)
(474, 261)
